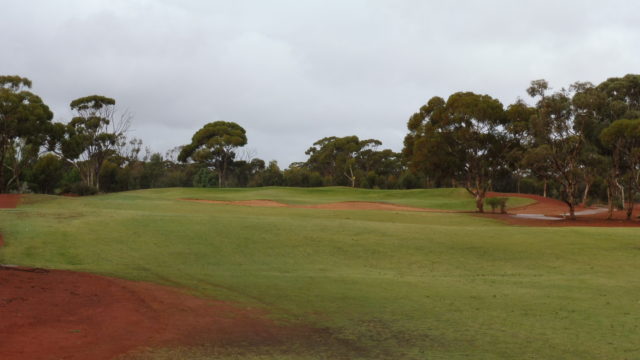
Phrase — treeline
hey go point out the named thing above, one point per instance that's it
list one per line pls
(580, 144)
(92, 153)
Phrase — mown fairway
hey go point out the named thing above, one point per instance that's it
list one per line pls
(400, 284)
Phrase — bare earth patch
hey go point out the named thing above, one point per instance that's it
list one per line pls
(71, 315)
(544, 212)
(9, 201)
(51, 314)
(552, 208)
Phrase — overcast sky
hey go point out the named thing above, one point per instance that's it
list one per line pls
(292, 72)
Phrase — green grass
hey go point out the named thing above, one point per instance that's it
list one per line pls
(402, 285)
(445, 199)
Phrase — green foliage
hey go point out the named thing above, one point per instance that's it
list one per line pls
(298, 176)
(92, 136)
(80, 189)
(269, 176)
(205, 178)
(409, 180)
(214, 146)
(348, 160)
(497, 202)
(23, 117)
(461, 139)
(47, 173)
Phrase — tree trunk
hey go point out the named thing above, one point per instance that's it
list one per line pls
(630, 196)
(480, 202)
(351, 177)
(585, 196)
(570, 188)
(2, 155)
(572, 211)
(544, 189)
(621, 188)
(610, 201)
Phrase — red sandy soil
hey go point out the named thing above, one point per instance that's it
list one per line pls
(51, 315)
(69, 315)
(345, 205)
(9, 201)
(553, 207)
(542, 206)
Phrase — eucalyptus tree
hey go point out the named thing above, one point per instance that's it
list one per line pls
(214, 146)
(24, 123)
(621, 101)
(422, 149)
(517, 127)
(560, 139)
(563, 125)
(463, 138)
(623, 138)
(335, 157)
(93, 135)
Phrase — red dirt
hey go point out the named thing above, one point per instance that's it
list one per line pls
(70, 315)
(553, 207)
(543, 206)
(9, 201)
(344, 205)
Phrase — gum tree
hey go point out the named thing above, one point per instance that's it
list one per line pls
(214, 146)
(92, 136)
(24, 123)
(463, 138)
(623, 138)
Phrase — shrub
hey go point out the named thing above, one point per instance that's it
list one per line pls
(497, 202)
(80, 189)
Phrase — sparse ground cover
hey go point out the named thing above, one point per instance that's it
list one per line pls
(384, 284)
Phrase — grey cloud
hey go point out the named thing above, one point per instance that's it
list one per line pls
(291, 72)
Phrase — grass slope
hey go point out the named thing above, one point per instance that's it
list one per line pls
(399, 284)
(445, 199)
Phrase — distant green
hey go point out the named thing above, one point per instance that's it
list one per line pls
(402, 285)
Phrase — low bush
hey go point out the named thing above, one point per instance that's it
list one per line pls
(497, 202)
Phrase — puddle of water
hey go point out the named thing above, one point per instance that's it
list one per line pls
(536, 217)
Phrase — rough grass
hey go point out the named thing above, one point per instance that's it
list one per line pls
(403, 285)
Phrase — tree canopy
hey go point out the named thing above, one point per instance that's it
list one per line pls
(23, 116)
(214, 146)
